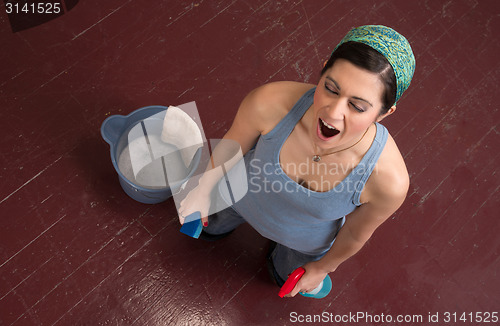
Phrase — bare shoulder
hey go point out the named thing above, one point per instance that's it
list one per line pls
(262, 109)
(389, 182)
(269, 103)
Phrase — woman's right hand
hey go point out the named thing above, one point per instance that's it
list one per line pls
(197, 200)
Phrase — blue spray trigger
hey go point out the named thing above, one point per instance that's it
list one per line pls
(192, 225)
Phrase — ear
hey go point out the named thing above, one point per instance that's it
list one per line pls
(388, 113)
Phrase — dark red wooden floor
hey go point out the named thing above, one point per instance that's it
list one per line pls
(75, 250)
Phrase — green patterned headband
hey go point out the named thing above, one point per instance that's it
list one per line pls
(392, 45)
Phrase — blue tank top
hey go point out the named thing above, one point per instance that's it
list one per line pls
(282, 210)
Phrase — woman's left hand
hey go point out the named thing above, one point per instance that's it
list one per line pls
(310, 280)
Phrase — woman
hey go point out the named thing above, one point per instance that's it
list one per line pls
(323, 174)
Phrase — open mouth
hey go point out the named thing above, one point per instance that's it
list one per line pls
(326, 130)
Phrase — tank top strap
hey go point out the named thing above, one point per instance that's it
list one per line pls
(365, 168)
(286, 125)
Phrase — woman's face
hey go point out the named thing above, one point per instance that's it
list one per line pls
(347, 100)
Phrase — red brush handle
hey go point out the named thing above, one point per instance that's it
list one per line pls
(291, 281)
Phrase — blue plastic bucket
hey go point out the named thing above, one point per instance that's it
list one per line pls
(115, 131)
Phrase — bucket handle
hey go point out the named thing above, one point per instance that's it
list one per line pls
(112, 128)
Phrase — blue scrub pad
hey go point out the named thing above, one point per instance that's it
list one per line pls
(192, 225)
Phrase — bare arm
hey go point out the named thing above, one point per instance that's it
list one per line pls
(358, 228)
(258, 113)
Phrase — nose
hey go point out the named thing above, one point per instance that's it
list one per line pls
(336, 108)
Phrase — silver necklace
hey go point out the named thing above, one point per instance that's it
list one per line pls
(317, 157)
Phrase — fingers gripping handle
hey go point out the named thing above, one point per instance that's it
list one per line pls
(291, 281)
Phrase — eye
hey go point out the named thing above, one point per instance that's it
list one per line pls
(331, 88)
(357, 108)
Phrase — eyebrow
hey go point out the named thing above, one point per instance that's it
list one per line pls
(354, 97)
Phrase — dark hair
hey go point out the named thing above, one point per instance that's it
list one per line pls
(370, 59)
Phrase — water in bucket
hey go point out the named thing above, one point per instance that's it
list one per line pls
(149, 167)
